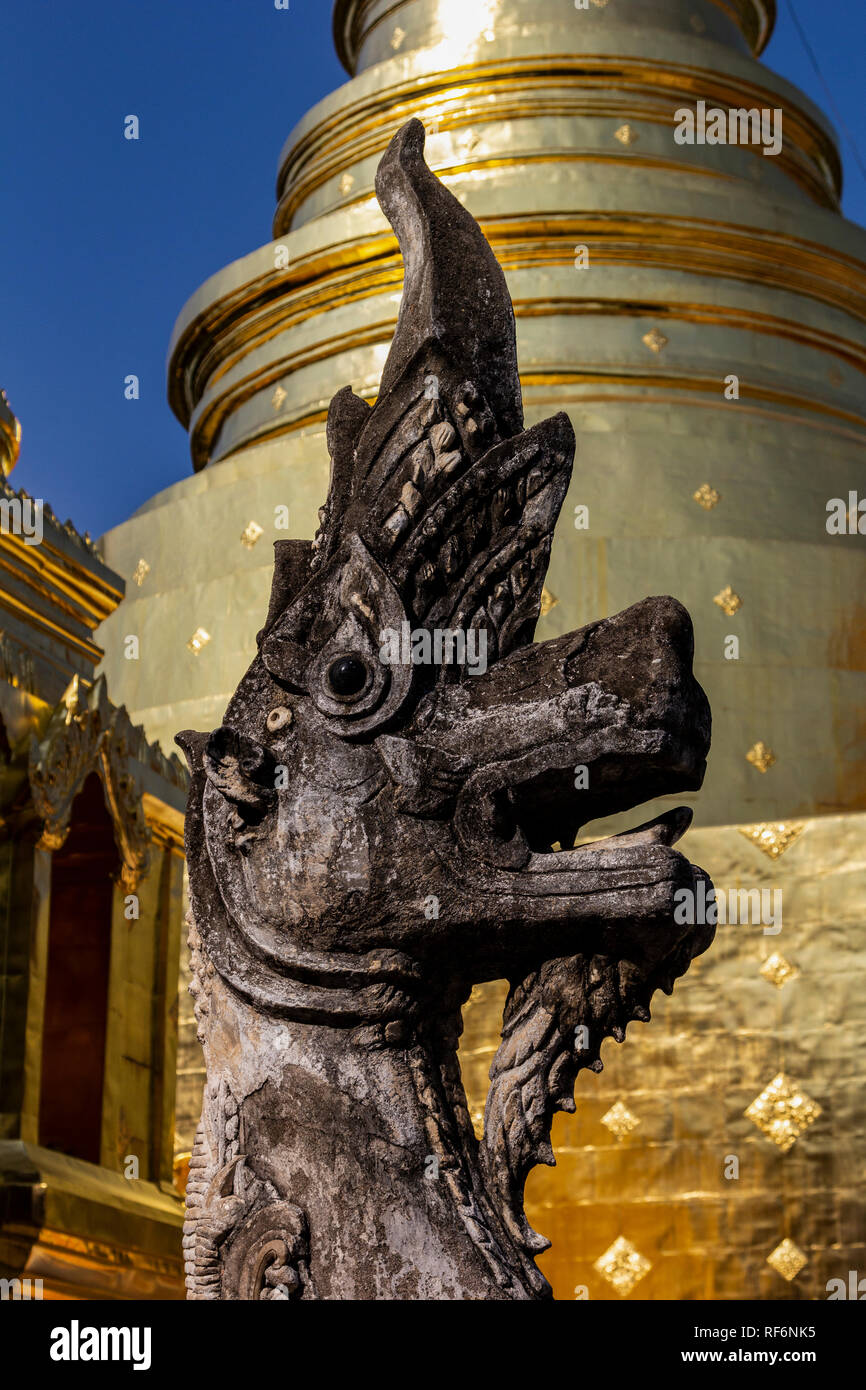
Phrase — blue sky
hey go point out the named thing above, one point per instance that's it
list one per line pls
(104, 239)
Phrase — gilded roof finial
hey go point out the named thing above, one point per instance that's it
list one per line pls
(10, 435)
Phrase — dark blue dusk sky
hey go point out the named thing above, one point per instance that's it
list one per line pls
(104, 239)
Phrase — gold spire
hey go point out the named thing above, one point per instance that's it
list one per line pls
(10, 436)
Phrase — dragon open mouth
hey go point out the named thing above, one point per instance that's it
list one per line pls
(665, 829)
(516, 824)
(588, 736)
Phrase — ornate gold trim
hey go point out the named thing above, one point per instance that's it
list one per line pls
(85, 1252)
(164, 822)
(74, 589)
(89, 734)
(640, 158)
(231, 350)
(755, 18)
(667, 387)
(218, 338)
(38, 620)
(531, 87)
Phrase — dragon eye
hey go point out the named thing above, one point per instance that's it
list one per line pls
(347, 676)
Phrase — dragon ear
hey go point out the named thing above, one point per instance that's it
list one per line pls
(291, 573)
(346, 617)
(347, 416)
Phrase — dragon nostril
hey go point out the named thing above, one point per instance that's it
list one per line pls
(278, 718)
(347, 676)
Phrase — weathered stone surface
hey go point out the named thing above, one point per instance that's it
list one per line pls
(367, 837)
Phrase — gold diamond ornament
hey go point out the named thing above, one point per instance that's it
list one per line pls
(761, 756)
(787, 1259)
(772, 837)
(778, 971)
(782, 1112)
(654, 340)
(619, 1120)
(199, 639)
(623, 1266)
(251, 533)
(707, 497)
(142, 570)
(728, 601)
(548, 601)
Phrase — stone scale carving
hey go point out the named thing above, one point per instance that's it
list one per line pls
(368, 838)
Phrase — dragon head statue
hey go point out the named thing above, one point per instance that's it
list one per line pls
(388, 814)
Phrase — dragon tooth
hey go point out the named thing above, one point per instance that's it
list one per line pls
(446, 463)
(411, 499)
(451, 556)
(442, 436)
(421, 462)
(398, 522)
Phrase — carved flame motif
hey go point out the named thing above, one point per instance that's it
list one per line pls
(369, 836)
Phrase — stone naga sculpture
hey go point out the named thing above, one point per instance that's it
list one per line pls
(369, 836)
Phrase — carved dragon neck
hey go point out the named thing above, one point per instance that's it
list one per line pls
(377, 1110)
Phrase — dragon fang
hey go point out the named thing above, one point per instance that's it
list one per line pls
(335, 1157)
